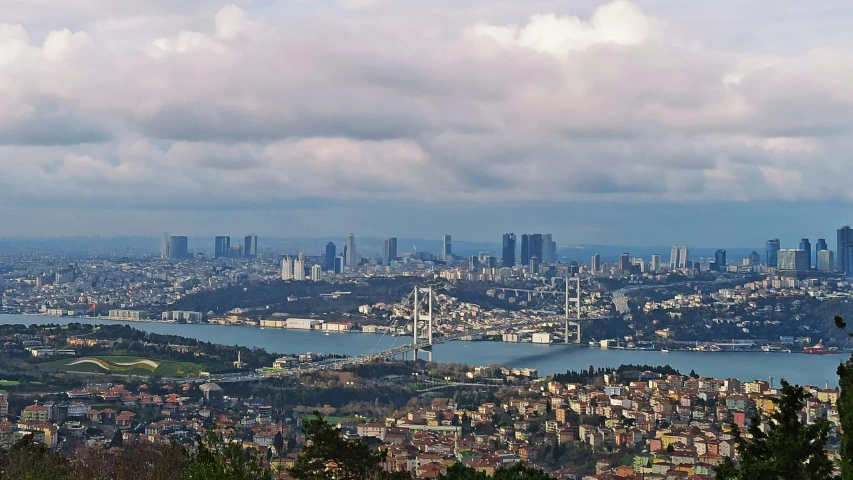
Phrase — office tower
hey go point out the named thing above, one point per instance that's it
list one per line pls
(299, 267)
(673, 257)
(624, 262)
(222, 247)
(330, 256)
(820, 245)
(794, 260)
(446, 250)
(534, 265)
(287, 268)
(683, 254)
(720, 259)
(316, 272)
(178, 248)
(773, 247)
(640, 265)
(508, 259)
(754, 259)
(390, 251)
(351, 259)
(655, 264)
(536, 246)
(339, 264)
(825, 260)
(807, 247)
(548, 253)
(525, 249)
(250, 246)
(474, 263)
(165, 243)
(595, 263)
(844, 250)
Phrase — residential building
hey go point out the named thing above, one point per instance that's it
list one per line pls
(595, 263)
(826, 260)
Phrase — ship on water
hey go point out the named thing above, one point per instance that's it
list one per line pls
(819, 349)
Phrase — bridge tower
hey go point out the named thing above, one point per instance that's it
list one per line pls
(577, 301)
(417, 317)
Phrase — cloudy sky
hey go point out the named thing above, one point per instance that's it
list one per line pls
(651, 122)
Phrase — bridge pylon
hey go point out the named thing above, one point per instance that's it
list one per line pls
(418, 317)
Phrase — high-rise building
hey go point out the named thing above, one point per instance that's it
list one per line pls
(351, 259)
(250, 246)
(287, 268)
(534, 265)
(316, 272)
(339, 264)
(806, 246)
(794, 260)
(754, 259)
(474, 263)
(624, 262)
(844, 250)
(330, 256)
(825, 260)
(548, 251)
(683, 257)
(525, 249)
(673, 256)
(655, 263)
(390, 251)
(165, 243)
(178, 247)
(536, 246)
(446, 250)
(773, 247)
(221, 247)
(299, 267)
(595, 263)
(820, 245)
(508, 259)
(720, 260)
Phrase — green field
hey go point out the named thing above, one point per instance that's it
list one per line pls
(125, 365)
(9, 383)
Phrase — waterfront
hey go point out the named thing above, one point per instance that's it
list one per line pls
(547, 359)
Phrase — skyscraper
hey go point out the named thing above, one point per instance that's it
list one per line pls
(222, 247)
(825, 261)
(794, 260)
(287, 268)
(843, 250)
(316, 272)
(299, 267)
(806, 246)
(178, 248)
(250, 246)
(655, 263)
(508, 250)
(683, 256)
(773, 247)
(165, 243)
(446, 250)
(818, 247)
(754, 259)
(547, 245)
(625, 262)
(390, 251)
(595, 263)
(525, 249)
(720, 259)
(330, 256)
(536, 246)
(339, 264)
(473, 263)
(673, 257)
(352, 259)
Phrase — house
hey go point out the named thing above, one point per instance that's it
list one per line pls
(377, 430)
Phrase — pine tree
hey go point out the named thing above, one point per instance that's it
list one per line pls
(789, 451)
(845, 410)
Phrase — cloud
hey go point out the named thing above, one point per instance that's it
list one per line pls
(156, 105)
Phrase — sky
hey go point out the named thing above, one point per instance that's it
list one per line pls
(650, 122)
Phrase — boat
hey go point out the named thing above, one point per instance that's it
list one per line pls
(771, 348)
(819, 349)
(663, 350)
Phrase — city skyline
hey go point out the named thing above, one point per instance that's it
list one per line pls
(721, 123)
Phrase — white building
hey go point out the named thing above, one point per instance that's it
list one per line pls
(655, 265)
(793, 259)
(825, 260)
(299, 267)
(540, 337)
(316, 273)
(351, 259)
(287, 268)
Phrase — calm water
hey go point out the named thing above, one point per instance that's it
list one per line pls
(548, 359)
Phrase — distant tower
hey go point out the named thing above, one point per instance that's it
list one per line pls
(222, 247)
(339, 264)
(773, 247)
(287, 268)
(316, 273)
(525, 249)
(683, 256)
(165, 243)
(250, 246)
(299, 267)
(330, 256)
(673, 257)
(352, 259)
(547, 253)
(720, 259)
(446, 250)
(655, 264)
(807, 246)
(844, 250)
(595, 263)
(508, 259)
(178, 249)
(390, 250)
(818, 247)
(625, 262)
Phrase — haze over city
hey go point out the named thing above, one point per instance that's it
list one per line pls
(644, 123)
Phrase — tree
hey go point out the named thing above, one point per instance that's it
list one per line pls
(28, 459)
(326, 455)
(790, 450)
(519, 471)
(216, 459)
(845, 410)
